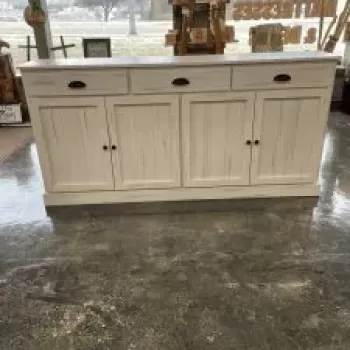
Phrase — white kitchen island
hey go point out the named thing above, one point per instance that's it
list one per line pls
(138, 129)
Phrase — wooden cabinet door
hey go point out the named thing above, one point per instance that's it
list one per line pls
(215, 131)
(289, 126)
(145, 131)
(70, 134)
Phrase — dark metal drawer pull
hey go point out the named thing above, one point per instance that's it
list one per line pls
(181, 82)
(282, 78)
(77, 84)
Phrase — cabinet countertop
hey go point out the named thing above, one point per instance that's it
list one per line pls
(178, 61)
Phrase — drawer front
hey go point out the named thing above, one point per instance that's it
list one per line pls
(277, 76)
(76, 83)
(145, 81)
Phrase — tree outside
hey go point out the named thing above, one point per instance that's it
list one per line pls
(150, 19)
(104, 9)
(105, 6)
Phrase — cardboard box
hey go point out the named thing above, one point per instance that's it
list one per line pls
(10, 114)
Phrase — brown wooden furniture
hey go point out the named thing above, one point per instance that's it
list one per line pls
(199, 27)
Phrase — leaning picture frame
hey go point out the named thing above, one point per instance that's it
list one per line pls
(97, 47)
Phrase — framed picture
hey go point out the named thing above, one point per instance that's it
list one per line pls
(97, 47)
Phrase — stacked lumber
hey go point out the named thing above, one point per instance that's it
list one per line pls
(330, 41)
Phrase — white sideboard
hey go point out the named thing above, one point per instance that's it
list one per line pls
(180, 128)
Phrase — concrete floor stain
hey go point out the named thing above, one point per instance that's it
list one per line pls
(253, 274)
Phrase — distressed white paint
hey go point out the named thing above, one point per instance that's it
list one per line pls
(145, 131)
(303, 75)
(70, 133)
(55, 83)
(215, 128)
(178, 143)
(146, 81)
(181, 61)
(289, 125)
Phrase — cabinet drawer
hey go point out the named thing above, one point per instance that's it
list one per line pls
(277, 76)
(144, 81)
(76, 83)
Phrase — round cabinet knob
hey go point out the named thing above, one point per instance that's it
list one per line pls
(114, 147)
(257, 142)
(105, 147)
(248, 142)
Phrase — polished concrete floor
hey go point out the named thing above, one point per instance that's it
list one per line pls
(264, 274)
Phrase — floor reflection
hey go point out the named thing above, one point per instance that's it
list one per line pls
(21, 185)
(21, 190)
(271, 276)
(334, 202)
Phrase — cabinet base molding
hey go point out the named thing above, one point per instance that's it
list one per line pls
(179, 194)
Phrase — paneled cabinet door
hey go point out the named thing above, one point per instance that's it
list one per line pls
(73, 143)
(145, 133)
(288, 136)
(216, 138)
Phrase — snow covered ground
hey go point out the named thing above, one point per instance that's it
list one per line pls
(149, 41)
